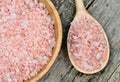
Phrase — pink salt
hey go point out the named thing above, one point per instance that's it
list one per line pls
(26, 39)
(87, 44)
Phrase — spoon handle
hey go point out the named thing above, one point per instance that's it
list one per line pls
(80, 6)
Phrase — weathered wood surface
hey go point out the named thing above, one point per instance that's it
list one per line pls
(107, 12)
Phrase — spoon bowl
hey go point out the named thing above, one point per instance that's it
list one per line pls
(81, 12)
(58, 37)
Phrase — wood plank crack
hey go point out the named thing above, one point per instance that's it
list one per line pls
(88, 5)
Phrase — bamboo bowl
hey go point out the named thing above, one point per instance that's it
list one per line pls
(58, 35)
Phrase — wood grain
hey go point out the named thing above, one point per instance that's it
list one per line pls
(107, 12)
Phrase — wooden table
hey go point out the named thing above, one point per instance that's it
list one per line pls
(107, 12)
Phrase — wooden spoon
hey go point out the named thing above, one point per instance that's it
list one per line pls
(58, 35)
(80, 12)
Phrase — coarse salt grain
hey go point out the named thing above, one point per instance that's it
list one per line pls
(87, 44)
(26, 39)
(13, 15)
(98, 56)
(25, 23)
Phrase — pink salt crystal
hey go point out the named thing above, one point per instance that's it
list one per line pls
(87, 44)
(26, 39)
(98, 56)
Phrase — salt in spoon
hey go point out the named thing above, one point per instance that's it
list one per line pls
(87, 43)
